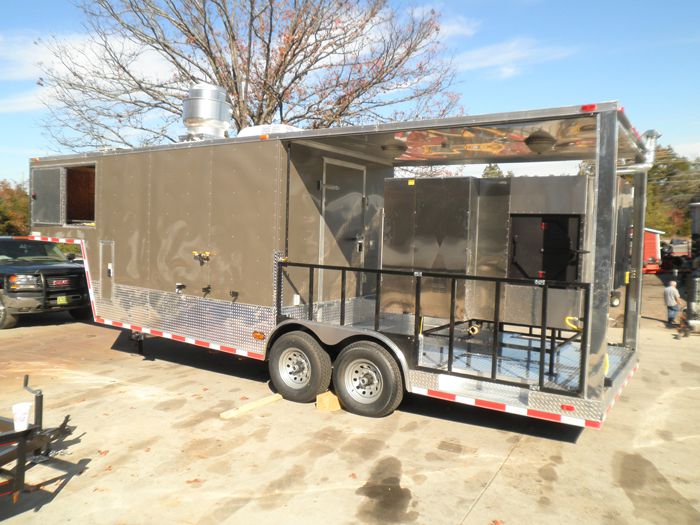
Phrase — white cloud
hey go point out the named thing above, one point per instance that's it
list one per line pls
(508, 58)
(690, 150)
(459, 27)
(20, 58)
(28, 101)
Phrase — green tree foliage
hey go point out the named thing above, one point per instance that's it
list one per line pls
(14, 209)
(674, 182)
(494, 171)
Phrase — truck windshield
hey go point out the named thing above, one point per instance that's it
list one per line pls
(12, 250)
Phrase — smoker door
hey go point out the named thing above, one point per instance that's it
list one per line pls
(342, 226)
(544, 247)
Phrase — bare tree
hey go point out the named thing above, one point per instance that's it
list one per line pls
(309, 63)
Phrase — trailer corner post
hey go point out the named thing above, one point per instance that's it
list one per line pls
(601, 258)
(633, 303)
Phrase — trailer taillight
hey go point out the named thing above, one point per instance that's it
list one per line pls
(568, 408)
(589, 107)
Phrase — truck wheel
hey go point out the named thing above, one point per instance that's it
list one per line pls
(299, 368)
(614, 301)
(7, 320)
(367, 380)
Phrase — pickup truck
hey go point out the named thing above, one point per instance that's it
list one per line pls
(35, 277)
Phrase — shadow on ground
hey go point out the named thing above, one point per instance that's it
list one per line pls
(57, 474)
(156, 348)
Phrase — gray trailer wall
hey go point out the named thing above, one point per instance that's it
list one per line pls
(154, 208)
(305, 221)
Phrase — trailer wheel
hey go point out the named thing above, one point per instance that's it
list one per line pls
(299, 368)
(7, 320)
(614, 301)
(367, 380)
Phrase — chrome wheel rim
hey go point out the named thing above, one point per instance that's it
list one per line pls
(363, 381)
(294, 368)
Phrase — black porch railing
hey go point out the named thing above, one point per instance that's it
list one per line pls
(554, 334)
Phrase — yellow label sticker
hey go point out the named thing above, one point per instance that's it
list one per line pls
(411, 182)
(61, 299)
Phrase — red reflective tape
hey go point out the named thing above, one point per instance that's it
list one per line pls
(490, 404)
(253, 355)
(136, 328)
(228, 349)
(157, 333)
(178, 338)
(117, 323)
(544, 415)
(593, 424)
(201, 343)
(442, 395)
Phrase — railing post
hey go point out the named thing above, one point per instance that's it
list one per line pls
(496, 329)
(453, 300)
(583, 376)
(377, 301)
(278, 295)
(417, 314)
(552, 346)
(311, 293)
(343, 284)
(543, 334)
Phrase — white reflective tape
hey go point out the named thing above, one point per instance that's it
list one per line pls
(189, 340)
(420, 390)
(465, 400)
(573, 421)
(214, 346)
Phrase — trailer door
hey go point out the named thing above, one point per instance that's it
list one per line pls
(342, 229)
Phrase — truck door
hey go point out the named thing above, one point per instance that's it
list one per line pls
(342, 229)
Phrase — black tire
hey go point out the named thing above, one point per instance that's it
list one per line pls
(7, 320)
(299, 367)
(367, 380)
(81, 314)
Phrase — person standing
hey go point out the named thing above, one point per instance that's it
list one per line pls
(672, 299)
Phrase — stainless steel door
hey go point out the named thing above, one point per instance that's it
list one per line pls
(342, 229)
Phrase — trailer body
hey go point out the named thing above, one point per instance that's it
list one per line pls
(491, 293)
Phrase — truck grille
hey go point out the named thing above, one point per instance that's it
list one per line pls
(64, 282)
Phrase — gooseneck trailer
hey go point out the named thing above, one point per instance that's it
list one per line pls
(306, 249)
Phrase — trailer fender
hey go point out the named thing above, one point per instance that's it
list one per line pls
(333, 335)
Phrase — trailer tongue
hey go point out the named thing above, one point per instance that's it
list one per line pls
(305, 249)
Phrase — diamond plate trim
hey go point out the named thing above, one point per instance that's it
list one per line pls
(215, 321)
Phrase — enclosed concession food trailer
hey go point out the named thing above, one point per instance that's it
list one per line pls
(307, 250)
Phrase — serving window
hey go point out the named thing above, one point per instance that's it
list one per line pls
(63, 195)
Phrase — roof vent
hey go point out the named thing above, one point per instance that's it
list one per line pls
(206, 113)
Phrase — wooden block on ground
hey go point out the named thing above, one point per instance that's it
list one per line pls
(235, 412)
(328, 402)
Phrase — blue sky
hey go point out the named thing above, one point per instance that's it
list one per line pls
(509, 54)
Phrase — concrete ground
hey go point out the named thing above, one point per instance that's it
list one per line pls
(149, 446)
